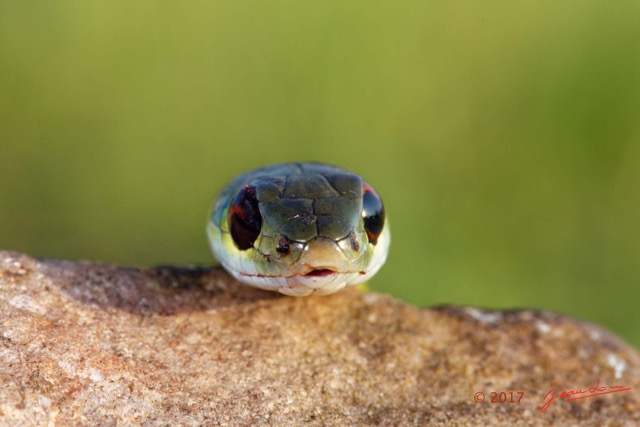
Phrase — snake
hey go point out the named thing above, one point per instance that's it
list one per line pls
(299, 229)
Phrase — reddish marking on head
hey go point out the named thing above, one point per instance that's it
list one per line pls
(367, 188)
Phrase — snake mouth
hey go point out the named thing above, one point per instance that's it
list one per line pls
(320, 272)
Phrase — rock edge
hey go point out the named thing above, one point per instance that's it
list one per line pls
(84, 343)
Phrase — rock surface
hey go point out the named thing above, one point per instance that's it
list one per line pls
(93, 344)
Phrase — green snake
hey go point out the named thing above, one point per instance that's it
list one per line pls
(299, 229)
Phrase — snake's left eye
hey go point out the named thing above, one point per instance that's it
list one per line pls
(372, 213)
(244, 218)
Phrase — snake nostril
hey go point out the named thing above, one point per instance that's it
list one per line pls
(353, 240)
(283, 245)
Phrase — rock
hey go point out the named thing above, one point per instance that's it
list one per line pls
(92, 344)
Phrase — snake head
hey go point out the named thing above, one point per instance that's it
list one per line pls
(299, 229)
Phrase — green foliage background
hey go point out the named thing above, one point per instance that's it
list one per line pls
(503, 136)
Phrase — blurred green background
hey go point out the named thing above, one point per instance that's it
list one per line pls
(503, 137)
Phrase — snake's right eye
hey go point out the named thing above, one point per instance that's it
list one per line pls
(244, 218)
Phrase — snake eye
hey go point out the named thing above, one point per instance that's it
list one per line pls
(244, 218)
(372, 213)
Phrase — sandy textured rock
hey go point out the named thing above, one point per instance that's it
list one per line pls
(92, 344)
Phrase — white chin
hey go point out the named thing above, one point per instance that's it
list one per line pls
(299, 286)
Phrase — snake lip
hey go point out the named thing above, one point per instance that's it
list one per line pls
(320, 272)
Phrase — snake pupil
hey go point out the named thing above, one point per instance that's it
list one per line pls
(244, 218)
(372, 213)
